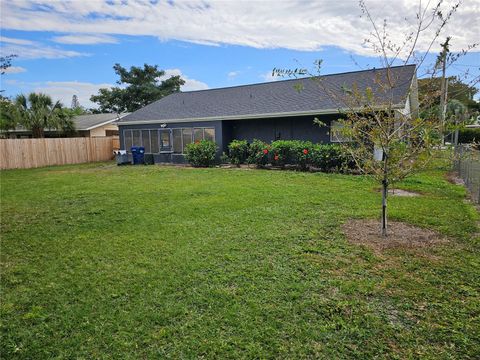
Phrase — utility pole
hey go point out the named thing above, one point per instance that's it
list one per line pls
(442, 60)
(75, 102)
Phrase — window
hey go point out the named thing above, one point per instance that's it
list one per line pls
(177, 141)
(127, 135)
(165, 140)
(186, 137)
(336, 134)
(146, 141)
(204, 134)
(197, 134)
(137, 141)
(209, 134)
(154, 141)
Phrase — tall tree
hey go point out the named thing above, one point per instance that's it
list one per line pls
(139, 87)
(37, 112)
(458, 89)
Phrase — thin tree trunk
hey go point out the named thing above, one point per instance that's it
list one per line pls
(384, 206)
(384, 194)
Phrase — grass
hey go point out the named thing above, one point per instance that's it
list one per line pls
(100, 261)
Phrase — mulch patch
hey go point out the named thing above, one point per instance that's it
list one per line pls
(453, 178)
(400, 235)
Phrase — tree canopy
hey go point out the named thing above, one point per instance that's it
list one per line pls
(457, 90)
(37, 112)
(138, 88)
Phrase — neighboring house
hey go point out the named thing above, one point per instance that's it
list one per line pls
(91, 125)
(267, 111)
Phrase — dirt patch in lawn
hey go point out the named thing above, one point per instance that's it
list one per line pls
(400, 192)
(400, 235)
(452, 177)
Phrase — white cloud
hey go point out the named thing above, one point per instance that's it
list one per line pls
(64, 90)
(27, 49)
(268, 77)
(190, 84)
(86, 39)
(295, 24)
(233, 74)
(14, 70)
(10, 40)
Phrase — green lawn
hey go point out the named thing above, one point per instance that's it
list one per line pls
(100, 261)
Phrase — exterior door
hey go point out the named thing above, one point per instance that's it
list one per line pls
(166, 141)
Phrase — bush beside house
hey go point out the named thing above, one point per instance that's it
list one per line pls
(201, 153)
(299, 154)
(238, 151)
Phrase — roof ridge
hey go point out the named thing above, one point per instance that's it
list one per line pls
(296, 79)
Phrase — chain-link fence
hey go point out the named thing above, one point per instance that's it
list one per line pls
(467, 165)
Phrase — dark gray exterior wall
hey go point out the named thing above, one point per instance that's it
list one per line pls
(286, 128)
(268, 129)
(175, 158)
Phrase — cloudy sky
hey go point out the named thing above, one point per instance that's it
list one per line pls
(69, 47)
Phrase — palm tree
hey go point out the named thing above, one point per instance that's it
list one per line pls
(38, 112)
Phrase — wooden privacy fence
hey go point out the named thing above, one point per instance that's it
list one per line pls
(31, 153)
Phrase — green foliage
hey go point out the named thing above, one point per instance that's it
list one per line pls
(258, 153)
(326, 157)
(301, 153)
(331, 158)
(469, 135)
(429, 91)
(6, 62)
(140, 87)
(201, 153)
(9, 116)
(37, 112)
(238, 151)
(281, 152)
(179, 263)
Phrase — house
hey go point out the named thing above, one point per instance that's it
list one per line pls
(266, 111)
(89, 125)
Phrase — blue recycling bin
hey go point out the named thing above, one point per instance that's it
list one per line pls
(138, 154)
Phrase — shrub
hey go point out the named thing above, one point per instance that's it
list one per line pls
(237, 151)
(258, 153)
(281, 152)
(469, 135)
(331, 158)
(201, 153)
(293, 152)
(300, 153)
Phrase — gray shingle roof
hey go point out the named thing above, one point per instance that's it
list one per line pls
(85, 122)
(274, 97)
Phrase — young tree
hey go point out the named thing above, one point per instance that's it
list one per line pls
(140, 87)
(383, 141)
(37, 112)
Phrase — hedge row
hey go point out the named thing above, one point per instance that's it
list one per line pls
(303, 154)
(469, 135)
